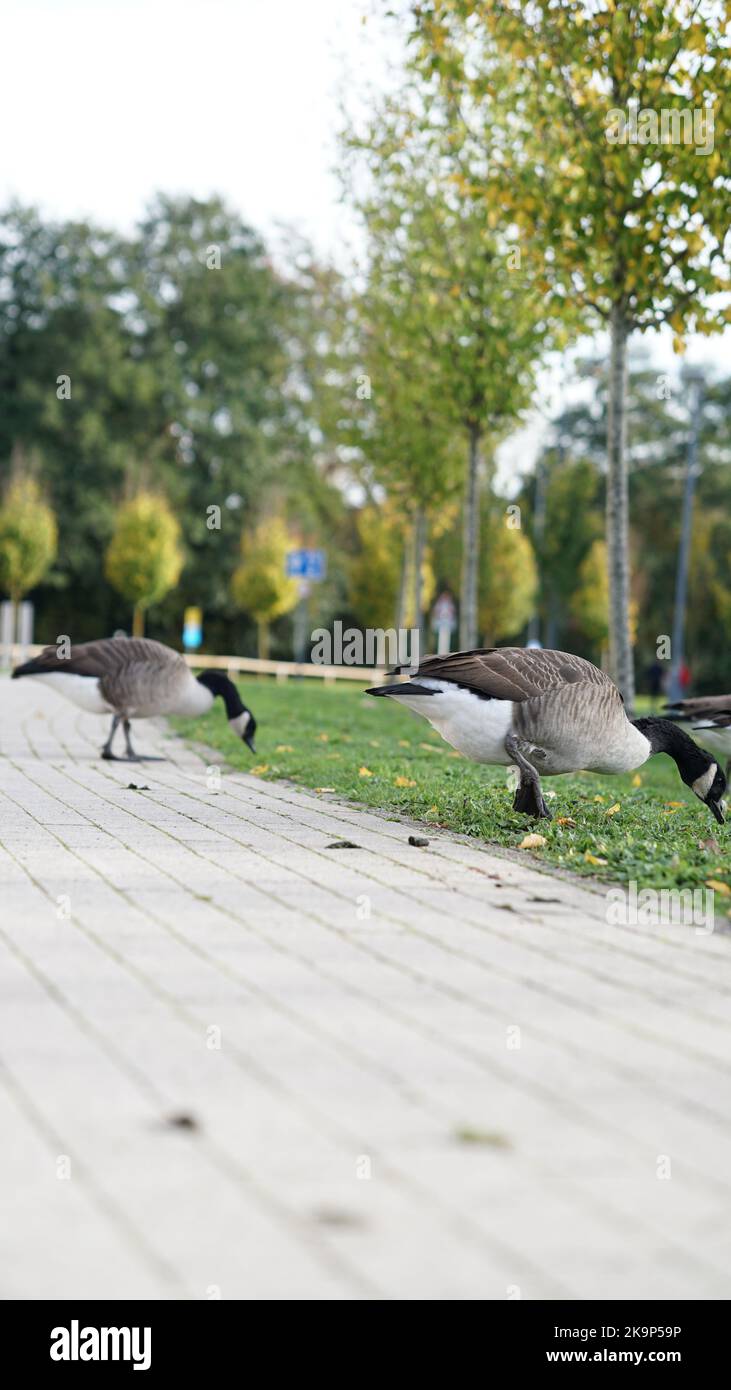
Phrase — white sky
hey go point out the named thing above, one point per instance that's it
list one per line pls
(110, 100)
(104, 102)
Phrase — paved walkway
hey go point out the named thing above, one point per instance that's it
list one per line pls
(237, 1061)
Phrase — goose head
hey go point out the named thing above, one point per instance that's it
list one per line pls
(697, 768)
(240, 719)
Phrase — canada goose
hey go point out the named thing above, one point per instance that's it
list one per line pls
(135, 678)
(710, 717)
(545, 710)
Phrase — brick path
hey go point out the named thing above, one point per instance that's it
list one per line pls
(235, 1062)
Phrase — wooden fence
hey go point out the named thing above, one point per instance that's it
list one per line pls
(13, 655)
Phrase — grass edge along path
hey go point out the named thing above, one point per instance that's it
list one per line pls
(644, 827)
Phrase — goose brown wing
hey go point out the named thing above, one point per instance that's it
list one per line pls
(108, 657)
(516, 673)
(702, 707)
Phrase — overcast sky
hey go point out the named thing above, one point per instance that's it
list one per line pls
(109, 100)
(103, 102)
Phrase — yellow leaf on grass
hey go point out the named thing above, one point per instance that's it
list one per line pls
(532, 842)
(612, 810)
(565, 820)
(257, 771)
(364, 772)
(718, 887)
(284, 748)
(637, 780)
(404, 743)
(593, 859)
(598, 798)
(323, 738)
(403, 782)
(433, 810)
(674, 803)
(324, 789)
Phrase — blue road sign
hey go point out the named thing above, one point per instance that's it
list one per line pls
(306, 564)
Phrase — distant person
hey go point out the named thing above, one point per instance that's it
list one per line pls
(655, 677)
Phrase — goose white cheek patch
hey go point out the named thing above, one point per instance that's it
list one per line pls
(702, 785)
(240, 724)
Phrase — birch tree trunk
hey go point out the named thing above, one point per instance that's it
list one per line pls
(470, 545)
(403, 592)
(419, 551)
(620, 645)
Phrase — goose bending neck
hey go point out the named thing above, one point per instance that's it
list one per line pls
(219, 684)
(665, 737)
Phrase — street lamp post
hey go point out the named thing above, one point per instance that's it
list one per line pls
(694, 380)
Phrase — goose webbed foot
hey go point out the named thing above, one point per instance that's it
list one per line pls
(107, 753)
(528, 800)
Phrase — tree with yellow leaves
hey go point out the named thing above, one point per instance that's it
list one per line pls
(28, 537)
(590, 600)
(260, 585)
(508, 579)
(591, 130)
(458, 330)
(144, 558)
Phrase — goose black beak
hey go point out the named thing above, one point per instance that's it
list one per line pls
(718, 808)
(250, 743)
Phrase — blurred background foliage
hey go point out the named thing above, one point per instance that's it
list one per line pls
(205, 373)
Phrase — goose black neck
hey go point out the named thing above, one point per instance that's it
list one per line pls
(665, 737)
(221, 685)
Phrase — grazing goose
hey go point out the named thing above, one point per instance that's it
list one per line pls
(546, 712)
(710, 717)
(135, 678)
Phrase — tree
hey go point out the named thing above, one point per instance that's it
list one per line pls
(259, 584)
(28, 537)
(470, 330)
(590, 600)
(178, 348)
(508, 580)
(144, 559)
(629, 220)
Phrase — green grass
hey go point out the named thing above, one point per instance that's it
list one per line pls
(371, 751)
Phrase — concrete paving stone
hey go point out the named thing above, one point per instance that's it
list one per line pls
(363, 1126)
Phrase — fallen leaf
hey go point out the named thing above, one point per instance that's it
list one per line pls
(433, 811)
(403, 782)
(323, 738)
(262, 767)
(718, 887)
(324, 789)
(598, 798)
(404, 743)
(364, 772)
(710, 844)
(532, 842)
(284, 748)
(674, 803)
(593, 859)
(565, 820)
(612, 810)
(637, 780)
